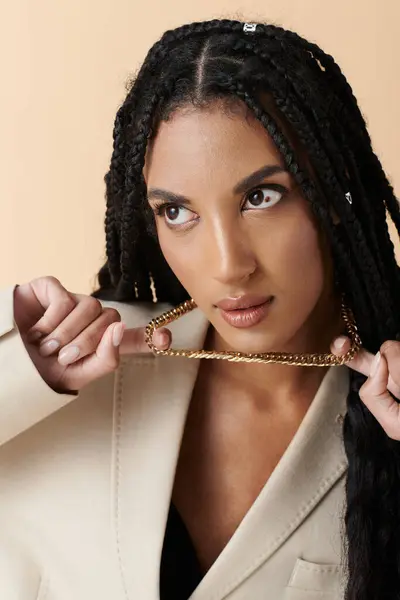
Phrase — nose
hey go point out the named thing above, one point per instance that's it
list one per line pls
(231, 259)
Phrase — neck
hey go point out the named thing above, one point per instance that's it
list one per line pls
(275, 383)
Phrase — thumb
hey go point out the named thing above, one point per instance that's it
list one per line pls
(133, 340)
(361, 362)
(374, 394)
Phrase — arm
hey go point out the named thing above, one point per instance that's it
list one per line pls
(25, 398)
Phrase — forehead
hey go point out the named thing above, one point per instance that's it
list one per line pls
(208, 144)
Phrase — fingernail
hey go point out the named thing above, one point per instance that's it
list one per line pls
(339, 342)
(48, 347)
(117, 334)
(68, 355)
(162, 340)
(375, 364)
(33, 336)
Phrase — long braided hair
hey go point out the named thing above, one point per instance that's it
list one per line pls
(204, 61)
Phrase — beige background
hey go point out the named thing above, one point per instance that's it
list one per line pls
(64, 67)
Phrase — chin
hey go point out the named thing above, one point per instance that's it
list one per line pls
(250, 340)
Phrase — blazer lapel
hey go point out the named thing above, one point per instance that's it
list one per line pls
(312, 463)
(152, 396)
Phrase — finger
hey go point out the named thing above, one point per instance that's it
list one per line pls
(162, 338)
(362, 362)
(374, 394)
(340, 345)
(104, 360)
(28, 311)
(391, 350)
(133, 341)
(56, 301)
(36, 296)
(85, 312)
(88, 340)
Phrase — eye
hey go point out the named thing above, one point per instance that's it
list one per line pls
(174, 214)
(263, 197)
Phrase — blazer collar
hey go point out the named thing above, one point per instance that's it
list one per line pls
(152, 396)
(152, 399)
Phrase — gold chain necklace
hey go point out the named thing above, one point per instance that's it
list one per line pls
(304, 360)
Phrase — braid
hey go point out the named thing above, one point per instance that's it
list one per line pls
(348, 114)
(332, 189)
(131, 233)
(364, 240)
(203, 61)
(114, 193)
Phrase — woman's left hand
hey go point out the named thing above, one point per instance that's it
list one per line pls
(383, 372)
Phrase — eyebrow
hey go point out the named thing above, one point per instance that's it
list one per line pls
(249, 181)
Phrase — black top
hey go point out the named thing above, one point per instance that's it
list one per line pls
(180, 571)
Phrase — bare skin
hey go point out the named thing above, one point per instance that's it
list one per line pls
(225, 244)
(232, 442)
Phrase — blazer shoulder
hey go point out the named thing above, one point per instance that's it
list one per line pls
(136, 314)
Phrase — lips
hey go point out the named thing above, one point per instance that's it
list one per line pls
(245, 311)
(248, 301)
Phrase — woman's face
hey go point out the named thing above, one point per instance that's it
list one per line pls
(228, 238)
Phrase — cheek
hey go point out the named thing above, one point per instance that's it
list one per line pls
(297, 263)
(177, 257)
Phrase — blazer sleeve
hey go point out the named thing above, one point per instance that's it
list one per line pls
(25, 398)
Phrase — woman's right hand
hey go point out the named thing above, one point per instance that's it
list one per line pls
(67, 321)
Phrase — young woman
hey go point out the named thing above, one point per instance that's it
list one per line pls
(242, 180)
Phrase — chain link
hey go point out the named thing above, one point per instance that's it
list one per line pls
(304, 360)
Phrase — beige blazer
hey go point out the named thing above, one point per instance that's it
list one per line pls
(86, 480)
